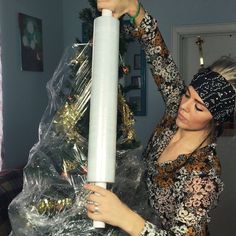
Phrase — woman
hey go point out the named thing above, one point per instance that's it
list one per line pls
(183, 176)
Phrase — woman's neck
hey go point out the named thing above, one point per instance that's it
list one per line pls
(192, 139)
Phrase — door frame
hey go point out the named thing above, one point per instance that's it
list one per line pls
(178, 32)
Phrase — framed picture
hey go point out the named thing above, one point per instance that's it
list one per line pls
(137, 62)
(135, 103)
(31, 42)
(136, 82)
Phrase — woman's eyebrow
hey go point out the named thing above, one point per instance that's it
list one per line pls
(201, 103)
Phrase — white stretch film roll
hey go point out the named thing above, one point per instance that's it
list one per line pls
(99, 224)
(103, 105)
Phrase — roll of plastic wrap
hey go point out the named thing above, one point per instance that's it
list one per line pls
(103, 103)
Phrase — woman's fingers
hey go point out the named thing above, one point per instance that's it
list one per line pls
(96, 189)
(116, 15)
(106, 5)
(94, 216)
(94, 208)
(118, 7)
(94, 199)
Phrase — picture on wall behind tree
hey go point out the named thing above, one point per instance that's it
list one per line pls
(31, 43)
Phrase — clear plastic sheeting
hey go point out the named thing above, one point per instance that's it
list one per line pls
(53, 199)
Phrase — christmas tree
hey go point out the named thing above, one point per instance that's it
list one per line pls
(53, 198)
(88, 15)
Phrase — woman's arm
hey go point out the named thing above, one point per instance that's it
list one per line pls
(105, 206)
(201, 193)
(163, 68)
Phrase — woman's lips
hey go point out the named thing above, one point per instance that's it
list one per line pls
(181, 117)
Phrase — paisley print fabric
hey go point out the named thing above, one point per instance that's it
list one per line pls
(182, 191)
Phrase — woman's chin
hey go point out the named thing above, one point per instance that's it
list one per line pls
(182, 123)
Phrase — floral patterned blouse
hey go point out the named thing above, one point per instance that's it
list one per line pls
(182, 191)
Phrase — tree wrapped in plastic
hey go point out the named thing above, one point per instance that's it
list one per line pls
(53, 198)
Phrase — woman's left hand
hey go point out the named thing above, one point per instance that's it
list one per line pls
(105, 206)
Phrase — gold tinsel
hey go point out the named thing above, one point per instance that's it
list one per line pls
(65, 122)
(68, 116)
(50, 206)
(66, 119)
(127, 119)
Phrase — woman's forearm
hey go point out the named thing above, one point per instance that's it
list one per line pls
(132, 223)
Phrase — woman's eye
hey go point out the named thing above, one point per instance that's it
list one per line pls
(197, 108)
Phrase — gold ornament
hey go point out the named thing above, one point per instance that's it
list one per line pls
(127, 119)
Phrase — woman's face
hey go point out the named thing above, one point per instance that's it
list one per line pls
(193, 114)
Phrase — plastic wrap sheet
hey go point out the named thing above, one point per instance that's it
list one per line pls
(53, 199)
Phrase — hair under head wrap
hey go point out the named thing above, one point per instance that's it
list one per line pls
(217, 94)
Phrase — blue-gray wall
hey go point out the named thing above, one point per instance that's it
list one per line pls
(71, 21)
(24, 93)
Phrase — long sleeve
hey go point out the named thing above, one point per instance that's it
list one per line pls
(182, 195)
(163, 68)
(201, 193)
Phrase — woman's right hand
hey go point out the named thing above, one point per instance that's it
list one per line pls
(119, 7)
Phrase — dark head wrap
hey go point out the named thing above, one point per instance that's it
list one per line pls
(217, 94)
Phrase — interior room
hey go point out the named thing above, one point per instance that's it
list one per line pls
(24, 96)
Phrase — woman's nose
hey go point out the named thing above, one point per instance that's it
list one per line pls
(185, 105)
